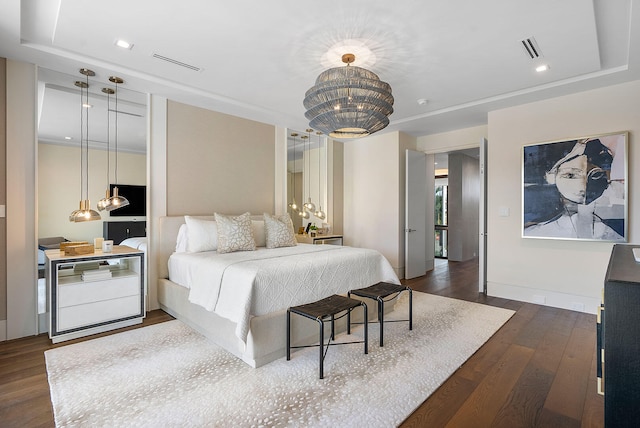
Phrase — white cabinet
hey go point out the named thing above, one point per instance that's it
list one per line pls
(95, 292)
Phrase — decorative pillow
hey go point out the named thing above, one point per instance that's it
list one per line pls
(279, 231)
(182, 240)
(258, 232)
(202, 235)
(235, 233)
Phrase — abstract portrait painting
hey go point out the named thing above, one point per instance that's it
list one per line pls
(576, 189)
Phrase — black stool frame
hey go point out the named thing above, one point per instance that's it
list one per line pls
(379, 292)
(325, 310)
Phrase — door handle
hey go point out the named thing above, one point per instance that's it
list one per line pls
(410, 230)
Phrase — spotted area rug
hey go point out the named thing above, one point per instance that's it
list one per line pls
(167, 375)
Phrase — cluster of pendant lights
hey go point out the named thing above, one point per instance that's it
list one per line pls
(308, 207)
(108, 203)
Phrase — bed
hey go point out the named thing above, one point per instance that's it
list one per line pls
(139, 243)
(239, 299)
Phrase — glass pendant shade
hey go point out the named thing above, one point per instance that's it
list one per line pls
(320, 214)
(104, 202)
(348, 102)
(310, 206)
(116, 201)
(303, 214)
(85, 213)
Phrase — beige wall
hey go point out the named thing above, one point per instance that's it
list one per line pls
(21, 199)
(59, 188)
(3, 197)
(374, 194)
(218, 163)
(563, 273)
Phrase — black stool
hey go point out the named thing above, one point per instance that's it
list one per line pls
(380, 292)
(324, 310)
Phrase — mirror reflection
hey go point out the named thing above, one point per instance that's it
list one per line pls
(66, 174)
(306, 178)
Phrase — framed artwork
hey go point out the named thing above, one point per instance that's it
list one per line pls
(576, 189)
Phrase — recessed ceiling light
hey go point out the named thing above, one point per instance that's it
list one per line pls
(68, 138)
(422, 101)
(123, 44)
(85, 105)
(541, 68)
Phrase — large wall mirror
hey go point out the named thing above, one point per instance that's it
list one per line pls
(61, 175)
(307, 178)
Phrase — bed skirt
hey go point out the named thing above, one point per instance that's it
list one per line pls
(266, 341)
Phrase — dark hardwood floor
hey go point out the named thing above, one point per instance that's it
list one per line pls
(538, 370)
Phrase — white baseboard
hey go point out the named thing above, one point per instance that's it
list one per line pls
(571, 302)
(3, 330)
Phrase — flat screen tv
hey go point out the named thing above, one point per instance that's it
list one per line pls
(137, 197)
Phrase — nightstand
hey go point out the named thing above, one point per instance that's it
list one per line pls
(93, 293)
(320, 239)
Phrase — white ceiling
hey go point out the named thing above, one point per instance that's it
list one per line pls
(256, 58)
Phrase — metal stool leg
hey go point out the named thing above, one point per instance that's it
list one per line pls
(366, 328)
(333, 336)
(288, 334)
(349, 316)
(381, 319)
(410, 309)
(321, 346)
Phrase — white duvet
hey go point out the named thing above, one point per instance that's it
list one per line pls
(252, 283)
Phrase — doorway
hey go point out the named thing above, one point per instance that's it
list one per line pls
(441, 217)
(457, 195)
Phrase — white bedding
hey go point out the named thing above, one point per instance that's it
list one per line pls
(239, 285)
(139, 243)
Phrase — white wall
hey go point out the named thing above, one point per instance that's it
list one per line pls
(374, 194)
(565, 274)
(59, 188)
(459, 139)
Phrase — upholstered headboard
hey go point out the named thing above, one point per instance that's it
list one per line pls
(168, 228)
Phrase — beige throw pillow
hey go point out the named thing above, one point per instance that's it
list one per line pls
(235, 233)
(279, 231)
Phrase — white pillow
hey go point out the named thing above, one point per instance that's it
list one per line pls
(182, 240)
(279, 231)
(202, 235)
(235, 233)
(257, 226)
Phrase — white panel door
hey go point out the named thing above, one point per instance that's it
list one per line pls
(415, 214)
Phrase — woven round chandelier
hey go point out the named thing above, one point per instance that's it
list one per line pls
(348, 102)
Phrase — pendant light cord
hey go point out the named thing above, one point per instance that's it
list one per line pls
(116, 137)
(87, 141)
(108, 135)
(81, 138)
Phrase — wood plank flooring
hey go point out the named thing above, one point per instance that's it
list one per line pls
(538, 370)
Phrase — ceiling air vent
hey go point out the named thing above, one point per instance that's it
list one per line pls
(176, 62)
(531, 48)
